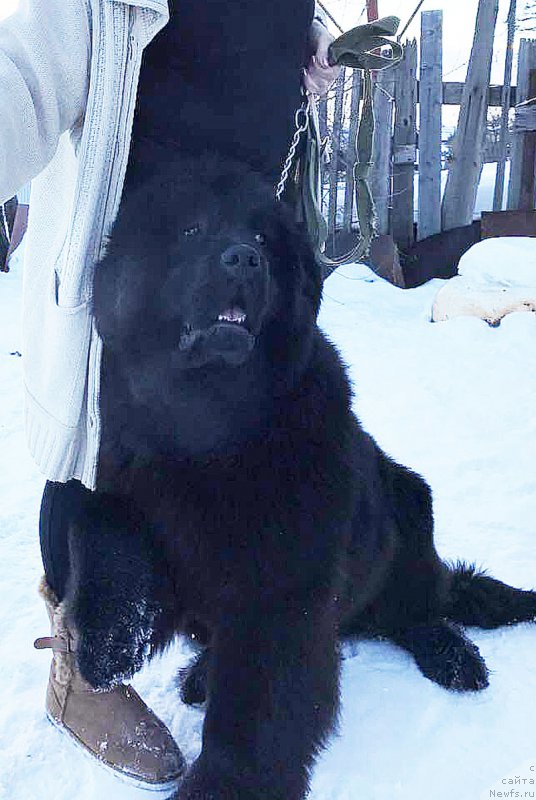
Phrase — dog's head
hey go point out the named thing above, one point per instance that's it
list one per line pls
(205, 269)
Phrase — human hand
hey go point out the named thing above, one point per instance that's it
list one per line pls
(320, 74)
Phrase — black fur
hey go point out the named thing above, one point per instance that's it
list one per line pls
(238, 493)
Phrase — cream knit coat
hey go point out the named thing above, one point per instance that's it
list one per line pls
(69, 71)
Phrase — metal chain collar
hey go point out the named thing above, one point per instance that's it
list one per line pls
(301, 120)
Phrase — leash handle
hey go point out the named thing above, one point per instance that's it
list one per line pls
(353, 49)
(360, 47)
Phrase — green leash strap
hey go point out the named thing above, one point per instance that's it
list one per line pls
(352, 49)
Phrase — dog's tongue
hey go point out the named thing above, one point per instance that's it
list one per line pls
(233, 314)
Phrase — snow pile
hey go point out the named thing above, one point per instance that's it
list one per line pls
(455, 402)
(508, 261)
(496, 277)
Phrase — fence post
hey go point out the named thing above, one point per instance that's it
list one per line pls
(517, 188)
(404, 146)
(498, 192)
(380, 174)
(466, 165)
(350, 151)
(430, 107)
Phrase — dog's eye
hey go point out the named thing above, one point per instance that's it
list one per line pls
(260, 238)
(192, 230)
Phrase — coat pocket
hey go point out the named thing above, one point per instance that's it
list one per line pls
(55, 355)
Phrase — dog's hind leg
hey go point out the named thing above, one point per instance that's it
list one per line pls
(444, 655)
(410, 609)
(474, 598)
(442, 651)
(462, 594)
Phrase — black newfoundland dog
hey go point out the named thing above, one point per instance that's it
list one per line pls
(239, 500)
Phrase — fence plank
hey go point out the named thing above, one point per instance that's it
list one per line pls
(526, 64)
(350, 152)
(527, 196)
(380, 174)
(525, 118)
(453, 91)
(466, 164)
(498, 192)
(404, 146)
(430, 124)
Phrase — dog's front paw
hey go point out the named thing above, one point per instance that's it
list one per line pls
(112, 651)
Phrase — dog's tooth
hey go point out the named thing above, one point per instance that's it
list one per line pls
(232, 318)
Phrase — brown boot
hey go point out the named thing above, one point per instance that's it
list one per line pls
(114, 725)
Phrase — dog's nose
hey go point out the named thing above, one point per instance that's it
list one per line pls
(240, 258)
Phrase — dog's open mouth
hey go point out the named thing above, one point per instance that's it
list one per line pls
(228, 337)
(234, 317)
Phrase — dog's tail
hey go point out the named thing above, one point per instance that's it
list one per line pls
(477, 599)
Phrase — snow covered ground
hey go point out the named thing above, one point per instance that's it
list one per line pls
(455, 401)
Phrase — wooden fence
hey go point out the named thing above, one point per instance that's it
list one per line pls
(522, 187)
(408, 102)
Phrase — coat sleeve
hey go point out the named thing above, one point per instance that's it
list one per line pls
(320, 15)
(44, 76)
